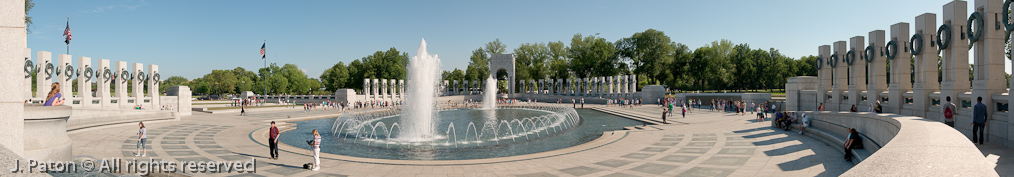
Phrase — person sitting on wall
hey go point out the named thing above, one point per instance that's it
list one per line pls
(805, 122)
(878, 108)
(853, 141)
(854, 109)
(54, 98)
(787, 121)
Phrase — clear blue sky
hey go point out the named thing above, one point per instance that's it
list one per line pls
(190, 38)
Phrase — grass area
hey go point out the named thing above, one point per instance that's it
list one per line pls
(224, 108)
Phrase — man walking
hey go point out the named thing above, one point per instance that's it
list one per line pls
(948, 112)
(978, 121)
(273, 140)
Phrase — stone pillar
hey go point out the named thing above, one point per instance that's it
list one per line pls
(989, 60)
(566, 87)
(446, 87)
(824, 73)
(401, 88)
(102, 90)
(925, 64)
(28, 75)
(375, 87)
(121, 84)
(154, 81)
(138, 86)
(857, 71)
(954, 62)
(66, 87)
(454, 89)
(13, 42)
(584, 86)
(366, 87)
(840, 78)
(633, 83)
(84, 84)
(901, 73)
(383, 88)
(623, 84)
(43, 80)
(876, 66)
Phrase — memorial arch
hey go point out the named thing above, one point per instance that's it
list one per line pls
(503, 62)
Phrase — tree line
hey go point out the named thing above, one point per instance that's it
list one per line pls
(650, 54)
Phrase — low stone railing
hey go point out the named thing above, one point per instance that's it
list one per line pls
(46, 133)
(908, 146)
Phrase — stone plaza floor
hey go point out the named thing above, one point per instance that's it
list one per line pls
(705, 143)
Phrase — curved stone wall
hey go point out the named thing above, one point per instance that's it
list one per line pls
(910, 146)
(46, 133)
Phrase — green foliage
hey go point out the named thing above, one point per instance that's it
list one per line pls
(173, 81)
(592, 56)
(29, 4)
(531, 61)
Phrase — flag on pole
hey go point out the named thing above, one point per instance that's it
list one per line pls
(66, 32)
(262, 50)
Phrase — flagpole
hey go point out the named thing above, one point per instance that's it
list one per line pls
(68, 44)
(265, 75)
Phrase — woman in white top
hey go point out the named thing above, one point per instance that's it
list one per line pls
(316, 150)
(804, 123)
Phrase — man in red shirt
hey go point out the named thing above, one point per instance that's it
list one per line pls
(273, 140)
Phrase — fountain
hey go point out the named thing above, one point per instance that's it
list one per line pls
(489, 93)
(423, 71)
(426, 130)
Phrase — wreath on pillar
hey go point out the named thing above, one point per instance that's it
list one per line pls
(943, 42)
(850, 57)
(69, 71)
(125, 76)
(49, 70)
(973, 36)
(29, 68)
(833, 61)
(57, 70)
(818, 65)
(141, 77)
(107, 74)
(157, 78)
(869, 54)
(88, 73)
(916, 44)
(891, 50)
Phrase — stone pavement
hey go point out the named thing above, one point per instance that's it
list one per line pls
(703, 144)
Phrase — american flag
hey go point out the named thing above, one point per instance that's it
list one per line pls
(262, 50)
(66, 32)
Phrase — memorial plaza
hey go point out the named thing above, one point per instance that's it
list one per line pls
(867, 105)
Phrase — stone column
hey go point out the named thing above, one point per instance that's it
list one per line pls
(925, 64)
(138, 86)
(954, 62)
(121, 84)
(102, 90)
(989, 59)
(454, 89)
(633, 83)
(824, 73)
(446, 87)
(43, 80)
(857, 71)
(876, 66)
(154, 81)
(584, 86)
(623, 84)
(401, 88)
(840, 78)
(566, 87)
(66, 87)
(84, 84)
(383, 88)
(375, 87)
(901, 73)
(13, 42)
(28, 75)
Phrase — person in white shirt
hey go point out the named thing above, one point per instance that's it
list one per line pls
(804, 123)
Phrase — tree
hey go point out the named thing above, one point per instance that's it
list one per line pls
(172, 81)
(531, 61)
(592, 56)
(649, 52)
(478, 65)
(495, 47)
(336, 77)
(29, 4)
(220, 82)
(558, 60)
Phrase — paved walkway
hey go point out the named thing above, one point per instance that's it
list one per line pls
(703, 144)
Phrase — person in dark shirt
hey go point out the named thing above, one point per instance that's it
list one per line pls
(273, 141)
(978, 121)
(852, 142)
(878, 108)
(854, 109)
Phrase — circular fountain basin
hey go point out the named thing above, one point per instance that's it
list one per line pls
(456, 139)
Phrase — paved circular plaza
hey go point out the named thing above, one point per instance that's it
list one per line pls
(703, 144)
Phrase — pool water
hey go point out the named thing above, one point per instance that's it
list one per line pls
(592, 125)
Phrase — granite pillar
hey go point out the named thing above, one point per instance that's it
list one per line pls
(925, 64)
(102, 90)
(84, 84)
(989, 58)
(13, 42)
(954, 56)
(122, 77)
(154, 80)
(857, 71)
(824, 73)
(901, 68)
(839, 79)
(876, 66)
(138, 86)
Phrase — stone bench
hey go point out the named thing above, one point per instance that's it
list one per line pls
(898, 145)
(824, 131)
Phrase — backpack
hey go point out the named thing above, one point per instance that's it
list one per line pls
(948, 113)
